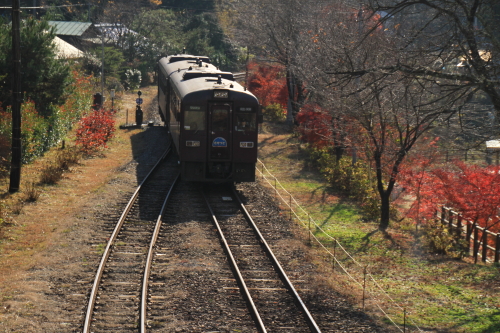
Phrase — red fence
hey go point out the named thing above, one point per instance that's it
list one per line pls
(481, 242)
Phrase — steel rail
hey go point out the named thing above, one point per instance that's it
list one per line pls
(107, 251)
(147, 269)
(239, 277)
(310, 320)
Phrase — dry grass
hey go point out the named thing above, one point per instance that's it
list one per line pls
(440, 293)
(29, 231)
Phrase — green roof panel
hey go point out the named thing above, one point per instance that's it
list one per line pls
(67, 28)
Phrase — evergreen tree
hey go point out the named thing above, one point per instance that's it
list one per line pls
(45, 78)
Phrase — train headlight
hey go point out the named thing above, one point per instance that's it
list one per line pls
(246, 144)
(192, 143)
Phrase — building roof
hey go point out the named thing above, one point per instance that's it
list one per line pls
(70, 28)
(66, 50)
(493, 145)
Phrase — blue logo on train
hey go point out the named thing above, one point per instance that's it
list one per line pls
(219, 142)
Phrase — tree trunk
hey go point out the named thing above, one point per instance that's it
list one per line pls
(385, 206)
(291, 93)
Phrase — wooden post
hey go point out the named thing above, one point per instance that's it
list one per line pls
(450, 221)
(459, 226)
(291, 218)
(476, 243)
(404, 320)
(497, 249)
(443, 214)
(364, 287)
(485, 245)
(309, 229)
(334, 253)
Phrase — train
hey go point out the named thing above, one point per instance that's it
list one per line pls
(212, 119)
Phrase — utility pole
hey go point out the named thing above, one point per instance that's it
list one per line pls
(15, 165)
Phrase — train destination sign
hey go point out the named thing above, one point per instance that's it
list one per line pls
(219, 142)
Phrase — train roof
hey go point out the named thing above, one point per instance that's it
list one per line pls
(191, 76)
(186, 57)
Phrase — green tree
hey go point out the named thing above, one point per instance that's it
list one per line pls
(45, 78)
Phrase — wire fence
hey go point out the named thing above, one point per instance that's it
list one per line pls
(357, 274)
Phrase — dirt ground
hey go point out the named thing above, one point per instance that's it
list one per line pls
(49, 238)
(50, 241)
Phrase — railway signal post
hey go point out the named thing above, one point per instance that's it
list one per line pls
(138, 109)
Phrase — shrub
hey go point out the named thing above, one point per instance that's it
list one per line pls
(38, 133)
(32, 193)
(67, 157)
(94, 131)
(353, 180)
(133, 78)
(274, 112)
(51, 174)
(438, 239)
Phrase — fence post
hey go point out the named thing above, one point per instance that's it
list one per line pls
(404, 320)
(468, 235)
(443, 214)
(291, 219)
(309, 229)
(450, 220)
(364, 286)
(334, 253)
(497, 249)
(485, 245)
(476, 243)
(459, 226)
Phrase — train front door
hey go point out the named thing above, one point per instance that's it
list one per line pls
(219, 132)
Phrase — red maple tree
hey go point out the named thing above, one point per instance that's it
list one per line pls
(315, 125)
(268, 83)
(471, 190)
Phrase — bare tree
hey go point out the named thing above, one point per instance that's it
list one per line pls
(454, 43)
(349, 67)
(273, 29)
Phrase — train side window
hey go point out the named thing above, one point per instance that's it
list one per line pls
(194, 120)
(245, 122)
(220, 120)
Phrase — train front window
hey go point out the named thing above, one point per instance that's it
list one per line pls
(194, 120)
(220, 120)
(245, 122)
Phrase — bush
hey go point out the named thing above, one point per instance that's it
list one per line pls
(38, 133)
(51, 174)
(68, 157)
(133, 78)
(438, 239)
(353, 180)
(94, 131)
(274, 112)
(32, 193)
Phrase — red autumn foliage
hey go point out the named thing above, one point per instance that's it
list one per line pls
(471, 190)
(268, 83)
(95, 130)
(315, 125)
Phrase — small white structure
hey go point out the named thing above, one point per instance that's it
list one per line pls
(66, 50)
(493, 147)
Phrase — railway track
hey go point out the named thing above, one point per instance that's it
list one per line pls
(164, 269)
(115, 298)
(271, 297)
(193, 288)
